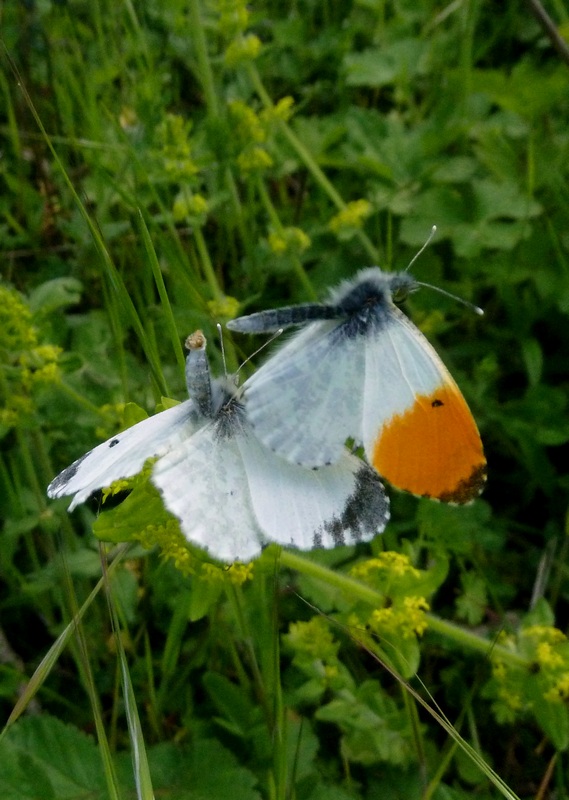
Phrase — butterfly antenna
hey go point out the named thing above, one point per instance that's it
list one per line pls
(220, 332)
(424, 247)
(467, 303)
(258, 350)
(471, 306)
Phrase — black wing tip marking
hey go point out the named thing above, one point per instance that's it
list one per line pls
(468, 489)
(58, 484)
(364, 515)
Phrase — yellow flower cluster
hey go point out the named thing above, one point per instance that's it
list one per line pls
(233, 17)
(313, 639)
(282, 110)
(406, 618)
(510, 699)
(289, 241)
(249, 126)
(548, 648)
(546, 633)
(252, 131)
(18, 333)
(190, 205)
(254, 159)
(169, 539)
(350, 218)
(25, 363)
(387, 563)
(174, 546)
(225, 308)
(176, 148)
(242, 49)
(559, 692)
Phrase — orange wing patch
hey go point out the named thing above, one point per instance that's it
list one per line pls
(433, 449)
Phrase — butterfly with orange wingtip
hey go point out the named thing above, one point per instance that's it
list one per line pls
(360, 369)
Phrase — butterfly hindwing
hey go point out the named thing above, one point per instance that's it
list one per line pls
(203, 483)
(344, 503)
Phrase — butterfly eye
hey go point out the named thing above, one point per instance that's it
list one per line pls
(400, 294)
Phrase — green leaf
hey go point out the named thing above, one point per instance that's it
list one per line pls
(141, 508)
(471, 605)
(374, 729)
(40, 756)
(55, 294)
(378, 66)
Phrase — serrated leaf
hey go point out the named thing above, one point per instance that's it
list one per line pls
(40, 756)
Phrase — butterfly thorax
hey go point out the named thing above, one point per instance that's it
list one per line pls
(229, 417)
(368, 299)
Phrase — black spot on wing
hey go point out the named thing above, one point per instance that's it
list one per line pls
(113, 442)
(437, 403)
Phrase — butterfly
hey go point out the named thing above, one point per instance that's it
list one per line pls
(231, 494)
(360, 368)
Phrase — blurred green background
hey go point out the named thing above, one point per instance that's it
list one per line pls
(165, 166)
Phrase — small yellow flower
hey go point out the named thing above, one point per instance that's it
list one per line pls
(350, 218)
(238, 573)
(248, 123)
(510, 699)
(187, 204)
(291, 240)
(388, 562)
(225, 307)
(16, 329)
(283, 110)
(233, 17)
(559, 692)
(313, 638)
(241, 49)
(254, 159)
(173, 134)
(212, 573)
(172, 545)
(406, 618)
(415, 611)
(547, 656)
(115, 488)
(545, 632)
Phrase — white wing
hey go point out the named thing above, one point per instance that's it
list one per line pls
(124, 455)
(306, 400)
(338, 504)
(400, 365)
(203, 483)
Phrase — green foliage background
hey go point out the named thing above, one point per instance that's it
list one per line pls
(200, 159)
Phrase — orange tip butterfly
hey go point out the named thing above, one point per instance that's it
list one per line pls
(231, 494)
(359, 368)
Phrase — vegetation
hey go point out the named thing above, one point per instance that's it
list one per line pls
(166, 166)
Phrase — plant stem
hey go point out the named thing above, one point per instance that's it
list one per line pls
(454, 633)
(308, 160)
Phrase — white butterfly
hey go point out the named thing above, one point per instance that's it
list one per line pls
(359, 368)
(231, 494)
